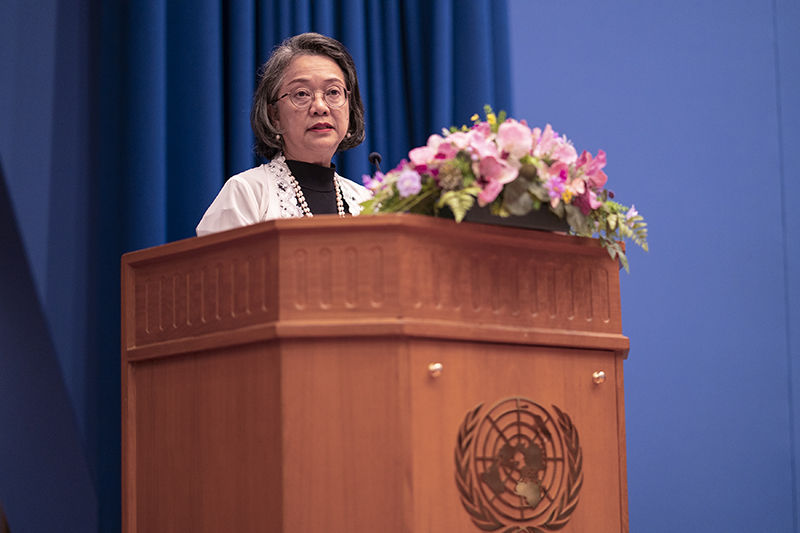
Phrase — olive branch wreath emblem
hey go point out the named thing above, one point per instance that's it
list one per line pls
(563, 503)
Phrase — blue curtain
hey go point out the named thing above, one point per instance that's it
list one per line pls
(174, 98)
(179, 77)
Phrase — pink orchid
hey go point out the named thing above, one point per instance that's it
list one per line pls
(587, 202)
(495, 169)
(459, 139)
(482, 128)
(434, 141)
(421, 156)
(446, 151)
(489, 193)
(558, 168)
(482, 146)
(565, 152)
(592, 168)
(543, 141)
(514, 139)
(577, 187)
(428, 156)
(496, 173)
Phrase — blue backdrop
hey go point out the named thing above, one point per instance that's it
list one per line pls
(698, 106)
(119, 121)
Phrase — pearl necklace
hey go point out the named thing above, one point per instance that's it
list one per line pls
(301, 198)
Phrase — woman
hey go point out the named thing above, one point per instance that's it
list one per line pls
(306, 108)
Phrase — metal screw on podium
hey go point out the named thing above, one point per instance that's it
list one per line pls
(435, 370)
(599, 377)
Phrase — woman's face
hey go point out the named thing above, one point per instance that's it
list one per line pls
(312, 134)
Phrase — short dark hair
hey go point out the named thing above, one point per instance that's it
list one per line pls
(268, 144)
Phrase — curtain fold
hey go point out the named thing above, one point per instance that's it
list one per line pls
(194, 111)
(239, 43)
(143, 132)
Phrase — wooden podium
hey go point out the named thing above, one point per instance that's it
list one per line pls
(283, 378)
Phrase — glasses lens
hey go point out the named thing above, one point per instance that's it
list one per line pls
(301, 97)
(335, 96)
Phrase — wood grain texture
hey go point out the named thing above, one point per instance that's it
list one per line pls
(275, 376)
(208, 451)
(474, 374)
(386, 267)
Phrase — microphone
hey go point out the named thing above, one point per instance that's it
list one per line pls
(375, 159)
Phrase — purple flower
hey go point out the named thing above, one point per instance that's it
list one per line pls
(409, 182)
(372, 183)
(556, 186)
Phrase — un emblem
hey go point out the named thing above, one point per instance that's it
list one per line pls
(518, 467)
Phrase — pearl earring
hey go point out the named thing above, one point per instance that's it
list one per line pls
(278, 136)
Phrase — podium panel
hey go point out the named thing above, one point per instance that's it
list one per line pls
(278, 378)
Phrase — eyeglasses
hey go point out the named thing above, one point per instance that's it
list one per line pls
(335, 96)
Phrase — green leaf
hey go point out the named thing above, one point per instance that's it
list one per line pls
(516, 198)
(528, 171)
(498, 209)
(539, 192)
(615, 251)
(612, 221)
(459, 202)
(624, 260)
(559, 210)
(577, 220)
(368, 206)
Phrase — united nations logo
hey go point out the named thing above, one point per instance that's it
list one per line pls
(518, 467)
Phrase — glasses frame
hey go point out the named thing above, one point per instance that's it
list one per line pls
(314, 98)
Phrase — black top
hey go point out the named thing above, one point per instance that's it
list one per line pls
(317, 184)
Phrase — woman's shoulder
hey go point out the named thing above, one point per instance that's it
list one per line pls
(259, 179)
(251, 175)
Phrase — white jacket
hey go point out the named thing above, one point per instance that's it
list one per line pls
(264, 193)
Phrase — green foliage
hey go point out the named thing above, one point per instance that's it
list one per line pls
(616, 252)
(459, 201)
(517, 199)
(539, 192)
(636, 230)
(579, 222)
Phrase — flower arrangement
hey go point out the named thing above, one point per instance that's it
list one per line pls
(502, 163)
